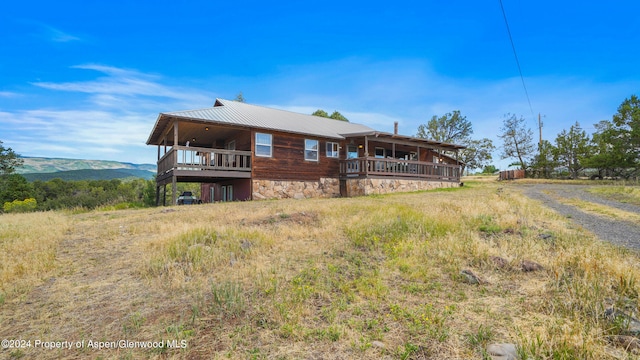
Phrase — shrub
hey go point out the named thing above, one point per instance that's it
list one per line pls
(18, 206)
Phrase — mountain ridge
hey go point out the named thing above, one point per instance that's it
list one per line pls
(38, 165)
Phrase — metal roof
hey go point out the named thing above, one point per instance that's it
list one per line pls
(253, 116)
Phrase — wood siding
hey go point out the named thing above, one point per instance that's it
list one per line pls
(287, 161)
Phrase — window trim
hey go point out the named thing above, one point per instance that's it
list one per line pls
(270, 145)
(330, 153)
(317, 150)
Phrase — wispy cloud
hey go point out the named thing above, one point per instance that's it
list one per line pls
(112, 120)
(57, 35)
(122, 82)
(9, 94)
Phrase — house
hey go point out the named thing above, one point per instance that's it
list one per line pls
(238, 151)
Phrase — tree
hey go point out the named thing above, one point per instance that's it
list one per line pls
(450, 128)
(335, 115)
(454, 128)
(572, 148)
(608, 151)
(517, 140)
(477, 154)
(9, 160)
(489, 169)
(627, 129)
(544, 163)
(14, 187)
(320, 113)
(239, 97)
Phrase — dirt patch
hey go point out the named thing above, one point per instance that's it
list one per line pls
(300, 218)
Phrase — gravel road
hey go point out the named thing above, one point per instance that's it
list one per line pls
(615, 231)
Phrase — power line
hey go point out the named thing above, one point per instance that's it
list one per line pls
(516, 56)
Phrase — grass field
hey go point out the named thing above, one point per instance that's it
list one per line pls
(368, 277)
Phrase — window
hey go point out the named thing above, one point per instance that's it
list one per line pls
(380, 153)
(264, 145)
(352, 152)
(332, 149)
(311, 150)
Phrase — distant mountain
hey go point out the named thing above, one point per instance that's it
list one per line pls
(38, 168)
(91, 174)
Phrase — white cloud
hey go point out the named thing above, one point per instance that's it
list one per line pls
(118, 108)
(121, 82)
(111, 121)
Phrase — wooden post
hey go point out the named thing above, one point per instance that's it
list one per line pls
(175, 133)
(366, 155)
(157, 195)
(174, 190)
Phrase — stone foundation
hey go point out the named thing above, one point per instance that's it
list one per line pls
(285, 189)
(361, 187)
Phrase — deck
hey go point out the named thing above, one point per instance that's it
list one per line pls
(398, 168)
(198, 164)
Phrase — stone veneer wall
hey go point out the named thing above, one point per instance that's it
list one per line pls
(360, 187)
(283, 189)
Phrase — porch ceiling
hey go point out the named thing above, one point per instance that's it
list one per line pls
(205, 134)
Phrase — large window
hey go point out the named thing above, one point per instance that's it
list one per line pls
(311, 150)
(332, 150)
(264, 145)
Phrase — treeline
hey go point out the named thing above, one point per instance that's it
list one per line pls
(88, 194)
(613, 150)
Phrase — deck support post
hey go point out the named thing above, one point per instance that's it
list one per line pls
(164, 195)
(174, 190)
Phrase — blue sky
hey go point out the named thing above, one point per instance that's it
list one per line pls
(87, 79)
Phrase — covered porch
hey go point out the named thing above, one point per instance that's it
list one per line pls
(195, 151)
(385, 155)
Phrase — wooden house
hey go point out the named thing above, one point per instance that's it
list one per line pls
(238, 151)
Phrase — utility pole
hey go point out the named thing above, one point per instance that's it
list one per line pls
(540, 128)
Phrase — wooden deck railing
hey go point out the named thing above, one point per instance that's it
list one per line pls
(198, 159)
(399, 168)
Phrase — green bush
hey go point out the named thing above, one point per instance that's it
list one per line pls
(17, 206)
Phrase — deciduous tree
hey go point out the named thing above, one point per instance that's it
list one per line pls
(517, 140)
(451, 128)
(477, 154)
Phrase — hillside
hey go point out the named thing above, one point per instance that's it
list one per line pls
(433, 275)
(91, 174)
(49, 165)
(39, 168)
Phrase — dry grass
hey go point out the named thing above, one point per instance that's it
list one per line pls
(602, 210)
(367, 277)
(28, 244)
(625, 194)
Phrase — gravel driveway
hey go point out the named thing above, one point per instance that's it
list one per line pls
(615, 231)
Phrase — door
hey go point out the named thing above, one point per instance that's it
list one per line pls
(229, 192)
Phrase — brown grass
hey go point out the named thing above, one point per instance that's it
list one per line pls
(367, 277)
